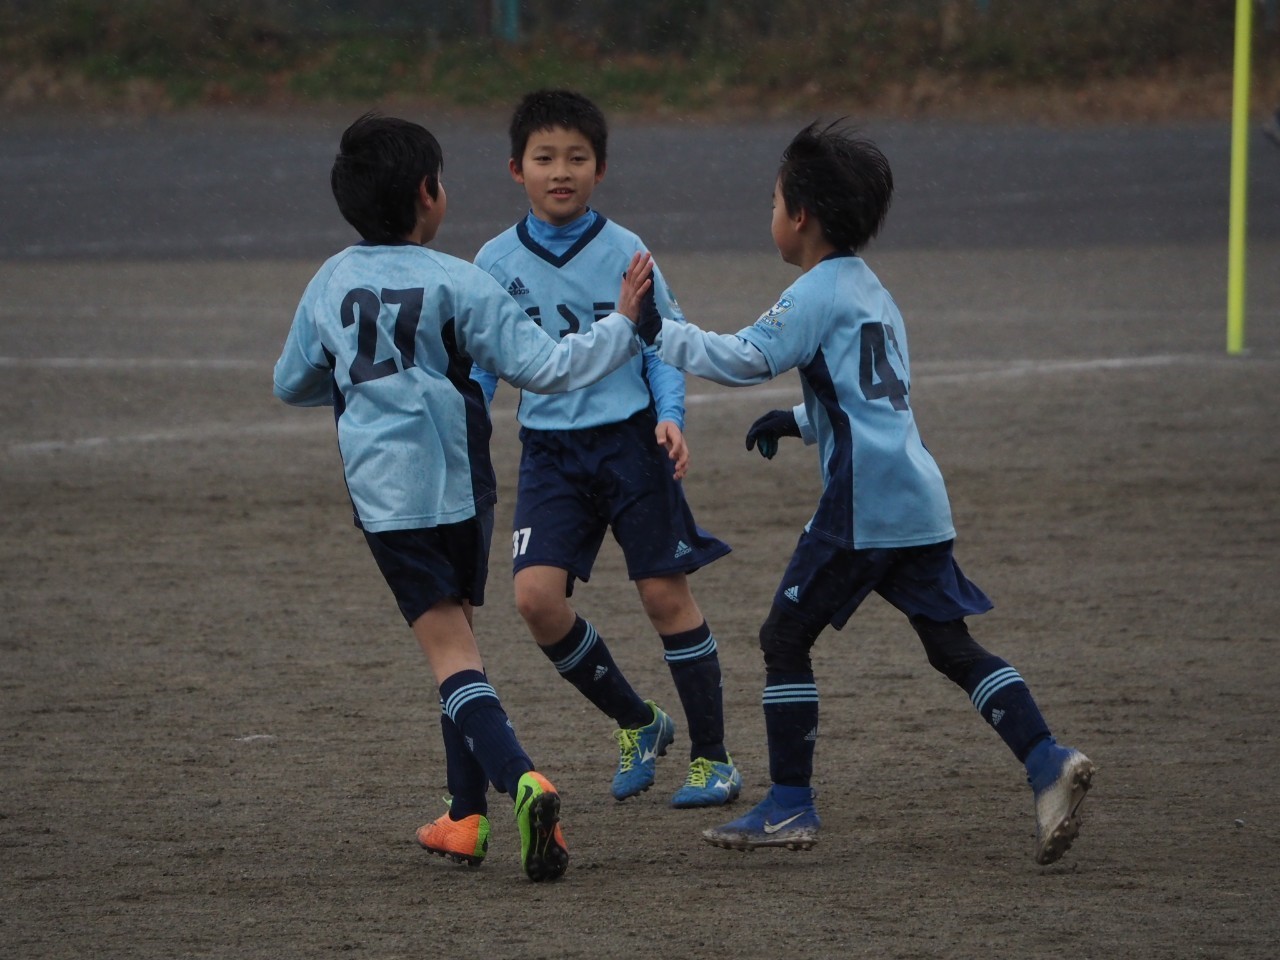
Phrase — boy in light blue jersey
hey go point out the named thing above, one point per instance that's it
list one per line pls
(607, 456)
(386, 333)
(883, 521)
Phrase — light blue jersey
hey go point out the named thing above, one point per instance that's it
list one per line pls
(387, 334)
(841, 329)
(566, 278)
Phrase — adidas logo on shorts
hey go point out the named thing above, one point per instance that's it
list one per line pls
(792, 594)
(682, 549)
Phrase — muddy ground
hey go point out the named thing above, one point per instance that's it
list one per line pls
(218, 737)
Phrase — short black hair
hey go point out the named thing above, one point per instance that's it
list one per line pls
(544, 109)
(375, 177)
(841, 179)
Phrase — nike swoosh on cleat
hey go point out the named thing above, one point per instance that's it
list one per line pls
(525, 793)
(775, 827)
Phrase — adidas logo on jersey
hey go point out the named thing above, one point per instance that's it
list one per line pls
(517, 288)
(682, 549)
(792, 594)
(996, 716)
(601, 670)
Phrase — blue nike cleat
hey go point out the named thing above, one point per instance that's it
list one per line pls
(638, 752)
(711, 783)
(782, 819)
(1059, 778)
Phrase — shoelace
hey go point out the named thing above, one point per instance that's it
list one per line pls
(699, 773)
(629, 745)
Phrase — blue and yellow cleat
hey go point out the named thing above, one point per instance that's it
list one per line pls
(710, 783)
(638, 752)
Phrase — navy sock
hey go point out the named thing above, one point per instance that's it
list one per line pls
(791, 723)
(695, 669)
(475, 709)
(1001, 696)
(463, 774)
(582, 658)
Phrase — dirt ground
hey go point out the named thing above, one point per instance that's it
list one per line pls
(218, 737)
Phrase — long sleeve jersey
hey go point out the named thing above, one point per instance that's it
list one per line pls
(387, 334)
(839, 327)
(566, 287)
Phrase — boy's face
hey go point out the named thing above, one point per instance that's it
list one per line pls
(558, 171)
(433, 215)
(786, 236)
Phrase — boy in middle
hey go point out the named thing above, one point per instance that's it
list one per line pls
(608, 456)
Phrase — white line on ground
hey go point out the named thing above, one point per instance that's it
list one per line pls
(131, 363)
(929, 373)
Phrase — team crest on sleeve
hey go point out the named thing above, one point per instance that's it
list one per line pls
(773, 316)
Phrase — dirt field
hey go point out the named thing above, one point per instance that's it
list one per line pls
(219, 738)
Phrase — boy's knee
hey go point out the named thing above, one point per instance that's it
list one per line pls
(666, 599)
(539, 601)
(786, 641)
(950, 648)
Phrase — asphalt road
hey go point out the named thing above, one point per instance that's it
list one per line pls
(221, 186)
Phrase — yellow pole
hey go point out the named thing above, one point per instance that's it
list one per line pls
(1239, 178)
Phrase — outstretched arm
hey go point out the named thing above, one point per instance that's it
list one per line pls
(719, 357)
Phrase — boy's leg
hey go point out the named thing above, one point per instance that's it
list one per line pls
(581, 656)
(462, 832)
(577, 652)
(689, 649)
(995, 688)
(558, 531)
(472, 705)
(572, 644)
(1059, 776)
(786, 817)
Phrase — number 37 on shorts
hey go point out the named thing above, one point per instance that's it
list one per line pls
(520, 541)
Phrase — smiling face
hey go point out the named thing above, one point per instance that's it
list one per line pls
(558, 171)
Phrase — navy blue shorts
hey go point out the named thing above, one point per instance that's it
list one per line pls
(576, 484)
(430, 564)
(825, 583)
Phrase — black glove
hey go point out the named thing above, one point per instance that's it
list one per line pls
(767, 430)
(649, 323)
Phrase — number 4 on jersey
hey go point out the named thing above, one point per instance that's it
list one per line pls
(876, 375)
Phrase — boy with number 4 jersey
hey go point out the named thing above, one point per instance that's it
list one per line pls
(608, 456)
(883, 521)
(386, 333)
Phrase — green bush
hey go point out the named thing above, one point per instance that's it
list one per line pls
(682, 53)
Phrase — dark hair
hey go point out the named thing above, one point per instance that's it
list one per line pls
(544, 109)
(375, 177)
(841, 179)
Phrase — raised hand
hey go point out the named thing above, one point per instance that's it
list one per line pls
(636, 282)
